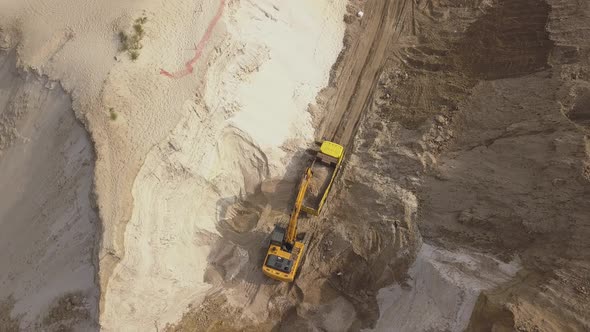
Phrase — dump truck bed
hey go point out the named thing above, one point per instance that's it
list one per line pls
(322, 169)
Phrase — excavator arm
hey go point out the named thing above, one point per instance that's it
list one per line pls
(291, 234)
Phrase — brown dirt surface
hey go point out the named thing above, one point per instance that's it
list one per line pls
(489, 97)
(480, 89)
(354, 74)
(318, 184)
(66, 312)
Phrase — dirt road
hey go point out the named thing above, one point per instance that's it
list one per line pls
(360, 66)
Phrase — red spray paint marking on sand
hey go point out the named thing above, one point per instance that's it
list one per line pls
(199, 49)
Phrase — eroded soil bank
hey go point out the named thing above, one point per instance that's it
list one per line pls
(47, 219)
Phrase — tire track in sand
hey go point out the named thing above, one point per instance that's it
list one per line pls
(189, 66)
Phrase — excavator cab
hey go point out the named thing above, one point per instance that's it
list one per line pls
(276, 262)
(282, 259)
(277, 235)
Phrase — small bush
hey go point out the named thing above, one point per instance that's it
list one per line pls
(132, 43)
(113, 114)
(124, 39)
(138, 29)
(134, 55)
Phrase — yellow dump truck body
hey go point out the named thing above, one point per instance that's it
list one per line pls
(324, 169)
(332, 149)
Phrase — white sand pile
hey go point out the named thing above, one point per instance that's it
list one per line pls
(301, 42)
(441, 292)
(218, 87)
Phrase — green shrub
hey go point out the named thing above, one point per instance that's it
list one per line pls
(138, 29)
(124, 39)
(134, 55)
(131, 43)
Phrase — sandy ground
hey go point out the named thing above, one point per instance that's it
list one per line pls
(462, 204)
(215, 103)
(223, 149)
(46, 210)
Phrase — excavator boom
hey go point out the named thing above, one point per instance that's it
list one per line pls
(291, 235)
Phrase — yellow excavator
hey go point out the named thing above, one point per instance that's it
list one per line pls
(285, 252)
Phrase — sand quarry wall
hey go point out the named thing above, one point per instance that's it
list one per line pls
(492, 96)
(215, 101)
(47, 220)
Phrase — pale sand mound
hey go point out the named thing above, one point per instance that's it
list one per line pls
(229, 143)
(441, 291)
(47, 223)
(218, 88)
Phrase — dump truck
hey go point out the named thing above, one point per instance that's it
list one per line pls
(284, 251)
(324, 168)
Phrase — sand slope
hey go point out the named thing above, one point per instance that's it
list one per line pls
(441, 291)
(201, 118)
(48, 224)
(224, 148)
